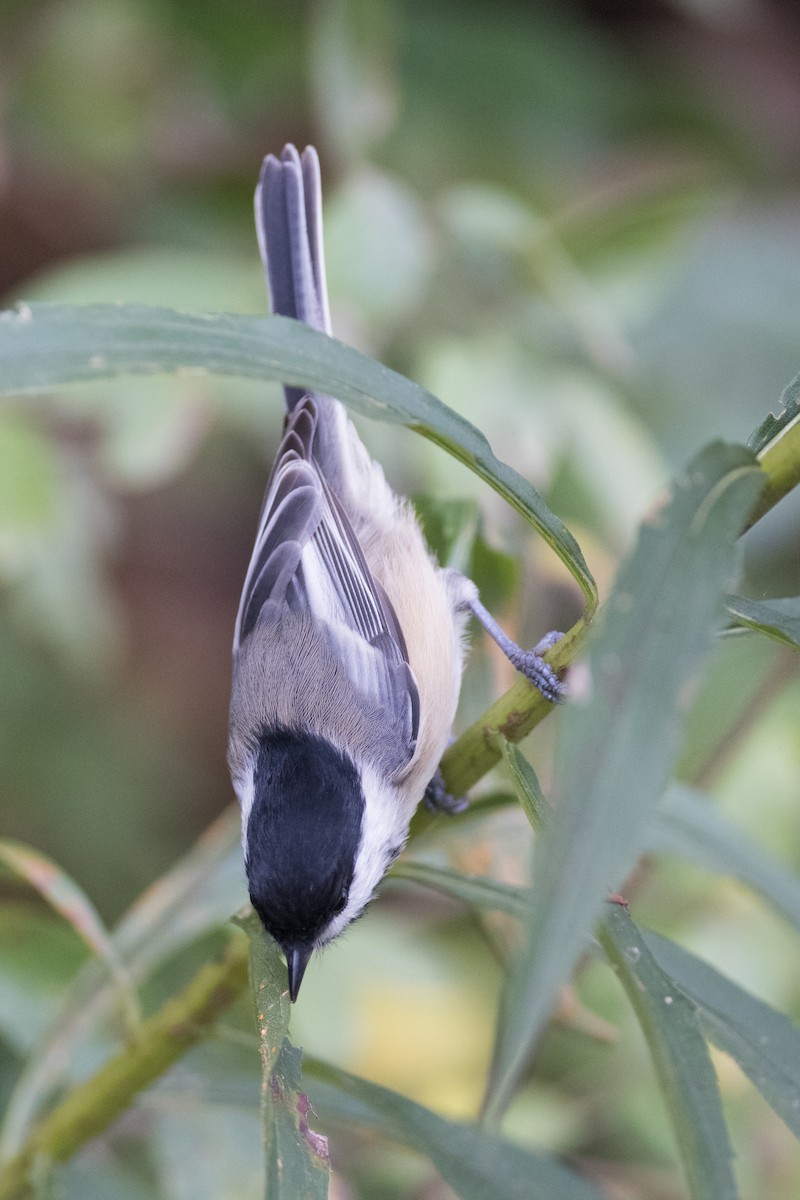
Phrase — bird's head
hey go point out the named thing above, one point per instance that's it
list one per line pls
(302, 839)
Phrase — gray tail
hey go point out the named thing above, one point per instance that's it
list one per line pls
(289, 223)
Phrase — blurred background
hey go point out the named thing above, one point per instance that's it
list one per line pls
(576, 223)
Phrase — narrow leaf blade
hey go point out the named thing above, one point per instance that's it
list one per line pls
(617, 747)
(474, 890)
(476, 1164)
(526, 785)
(778, 619)
(64, 895)
(764, 1043)
(43, 346)
(669, 1022)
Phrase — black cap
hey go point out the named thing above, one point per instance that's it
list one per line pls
(303, 835)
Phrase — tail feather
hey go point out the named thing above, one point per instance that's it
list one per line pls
(288, 206)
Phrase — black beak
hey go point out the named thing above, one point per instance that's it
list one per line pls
(296, 962)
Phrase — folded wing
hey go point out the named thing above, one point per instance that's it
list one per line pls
(307, 558)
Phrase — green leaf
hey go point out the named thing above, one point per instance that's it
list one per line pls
(197, 895)
(71, 902)
(472, 889)
(619, 741)
(32, 986)
(475, 1163)
(270, 993)
(779, 618)
(670, 1024)
(43, 346)
(525, 784)
(298, 1164)
(764, 1043)
(689, 825)
(297, 1161)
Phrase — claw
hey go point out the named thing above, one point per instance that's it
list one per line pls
(438, 799)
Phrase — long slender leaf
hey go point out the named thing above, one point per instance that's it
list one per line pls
(526, 785)
(618, 745)
(43, 346)
(778, 619)
(764, 1043)
(472, 889)
(689, 825)
(680, 1055)
(297, 1162)
(478, 1165)
(197, 895)
(64, 895)
(270, 993)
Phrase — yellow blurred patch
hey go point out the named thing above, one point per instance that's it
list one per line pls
(428, 1041)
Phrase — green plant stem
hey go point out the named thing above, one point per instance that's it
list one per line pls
(780, 462)
(94, 1104)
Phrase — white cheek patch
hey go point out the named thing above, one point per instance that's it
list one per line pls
(384, 830)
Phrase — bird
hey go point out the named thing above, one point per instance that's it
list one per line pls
(349, 640)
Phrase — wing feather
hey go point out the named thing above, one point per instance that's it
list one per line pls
(308, 558)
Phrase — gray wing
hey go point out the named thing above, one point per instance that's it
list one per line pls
(308, 558)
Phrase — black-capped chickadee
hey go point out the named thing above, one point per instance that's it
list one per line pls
(349, 641)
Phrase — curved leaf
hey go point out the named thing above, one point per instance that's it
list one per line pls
(471, 889)
(476, 1164)
(778, 619)
(43, 346)
(197, 895)
(764, 1043)
(618, 743)
(67, 898)
(689, 1085)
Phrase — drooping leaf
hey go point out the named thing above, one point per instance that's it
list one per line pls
(669, 1021)
(64, 895)
(778, 619)
(526, 785)
(197, 895)
(618, 742)
(475, 1163)
(471, 889)
(43, 346)
(764, 1043)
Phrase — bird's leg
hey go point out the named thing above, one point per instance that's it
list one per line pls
(438, 799)
(528, 662)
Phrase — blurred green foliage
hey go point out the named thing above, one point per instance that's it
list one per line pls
(575, 223)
